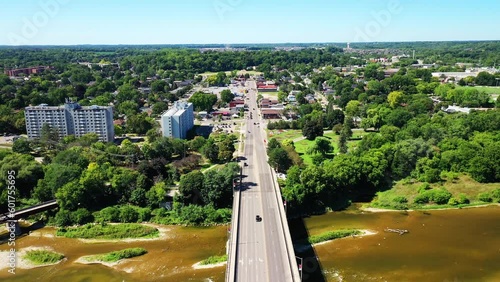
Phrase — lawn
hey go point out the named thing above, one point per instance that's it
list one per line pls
(109, 231)
(488, 89)
(302, 145)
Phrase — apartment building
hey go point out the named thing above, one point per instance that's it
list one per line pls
(71, 119)
(178, 120)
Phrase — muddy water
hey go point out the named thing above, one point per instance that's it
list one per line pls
(168, 259)
(448, 245)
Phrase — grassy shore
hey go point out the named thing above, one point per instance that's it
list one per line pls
(460, 192)
(214, 260)
(109, 231)
(118, 255)
(331, 235)
(42, 257)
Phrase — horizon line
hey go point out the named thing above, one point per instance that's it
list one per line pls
(262, 43)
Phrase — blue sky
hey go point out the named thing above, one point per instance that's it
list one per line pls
(68, 22)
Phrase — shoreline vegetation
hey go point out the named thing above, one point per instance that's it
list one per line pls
(211, 262)
(368, 208)
(110, 231)
(112, 259)
(32, 257)
(326, 237)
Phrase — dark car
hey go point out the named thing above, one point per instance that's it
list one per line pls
(245, 164)
(258, 218)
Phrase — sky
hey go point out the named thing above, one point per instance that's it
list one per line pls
(72, 22)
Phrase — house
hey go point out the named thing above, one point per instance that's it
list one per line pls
(291, 98)
(271, 113)
(267, 103)
(310, 98)
(236, 102)
(268, 86)
(184, 83)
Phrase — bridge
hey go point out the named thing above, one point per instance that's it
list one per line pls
(259, 250)
(11, 219)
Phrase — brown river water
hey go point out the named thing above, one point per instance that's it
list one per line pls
(449, 245)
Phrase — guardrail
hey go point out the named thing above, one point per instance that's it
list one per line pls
(233, 246)
(286, 230)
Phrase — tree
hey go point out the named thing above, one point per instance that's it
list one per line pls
(22, 146)
(395, 98)
(128, 108)
(322, 146)
(203, 101)
(27, 172)
(353, 108)
(313, 125)
(279, 159)
(211, 151)
(226, 96)
(190, 186)
(139, 124)
(157, 194)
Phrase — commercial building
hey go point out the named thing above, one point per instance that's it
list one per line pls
(27, 71)
(71, 119)
(178, 120)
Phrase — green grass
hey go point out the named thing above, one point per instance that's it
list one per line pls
(41, 257)
(488, 89)
(118, 255)
(214, 260)
(281, 135)
(331, 235)
(109, 231)
(464, 185)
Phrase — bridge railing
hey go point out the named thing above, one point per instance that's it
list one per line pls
(286, 230)
(233, 242)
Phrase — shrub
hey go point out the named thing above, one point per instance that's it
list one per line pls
(63, 218)
(422, 188)
(440, 196)
(495, 195)
(330, 235)
(214, 260)
(484, 197)
(128, 214)
(123, 254)
(82, 216)
(422, 198)
(110, 214)
(452, 201)
(462, 199)
(400, 200)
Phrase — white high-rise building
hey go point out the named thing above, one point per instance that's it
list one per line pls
(178, 120)
(71, 119)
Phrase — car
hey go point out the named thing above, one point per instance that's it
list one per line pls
(245, 164)
(258, 218)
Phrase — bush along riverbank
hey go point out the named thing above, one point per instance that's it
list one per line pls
(109, 231)
(458, 193)
(331, 235)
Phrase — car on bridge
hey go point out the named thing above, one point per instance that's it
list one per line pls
(258, 218)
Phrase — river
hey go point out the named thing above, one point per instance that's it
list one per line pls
(447, 245)
(168, 259)
(442, 245)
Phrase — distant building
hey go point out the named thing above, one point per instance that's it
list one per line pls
(71, 119)
(27, 71)
(178, 120)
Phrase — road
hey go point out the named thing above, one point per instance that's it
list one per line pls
(261, 254)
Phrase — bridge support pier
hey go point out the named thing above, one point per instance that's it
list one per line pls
(13, 227)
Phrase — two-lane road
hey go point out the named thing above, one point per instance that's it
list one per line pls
(261, 254)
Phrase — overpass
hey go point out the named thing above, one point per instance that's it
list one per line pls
(11, 219)
(259, 250)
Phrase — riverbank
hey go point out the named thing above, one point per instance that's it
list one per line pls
(22, 262)
(301, 247)
(429, 208)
